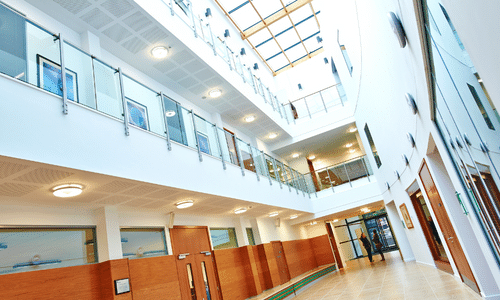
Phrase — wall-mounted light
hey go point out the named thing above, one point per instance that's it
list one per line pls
(352, 150)
(300, 87)
(336, 220)
(411, 102)
(467, 140)
(294, 217)
(255, 66)
(411, 140)
(459, 144)
(243, 52)
(208, 13)
(398, 29)
(325, 60)
(406, 161)
(184, 204)
(388, 185)
(352, 130)
(396, 173)
(319, 39)
(159, 52)
(67, 190)
(240, 210)
(348, 145)
(274, 214)
(226, 33)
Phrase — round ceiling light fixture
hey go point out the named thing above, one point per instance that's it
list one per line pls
(169, 113)
(294, 217)
(159, 52)
(312, 157)
(354, 129)
(215, 93)
(274, 214)
(336, 220)
(67, 190)
(348, 145)
(295, 155)
(273, 135)
(352, 150)
(240, 210)
(249, 119)
(184, 204)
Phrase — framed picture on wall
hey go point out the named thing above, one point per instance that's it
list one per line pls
(203, 142)
(406, 216)
(138, 114)
(49, 78)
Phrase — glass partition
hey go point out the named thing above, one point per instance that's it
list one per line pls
(315, 103)
(231, 145)
(309, 183)
(331, 97)
(107, 90)
(259, 161)
(223, 238)
(187, 124)
(144, 107)
(206, 136)
(30, 249)
(175, 121)
(270, 166)
(143, 242)
(246, 155)
(345, 172)
(226, 155)
(80, 76)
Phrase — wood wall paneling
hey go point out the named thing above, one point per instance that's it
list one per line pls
(154, 278)
(262, 267)
(112, 270)
(272, 265)
(299, 256)
(322, 250)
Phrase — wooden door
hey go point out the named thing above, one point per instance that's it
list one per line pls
(447, 228)
(334, 245)
(281, 261)
(195, 265)
(430, 232)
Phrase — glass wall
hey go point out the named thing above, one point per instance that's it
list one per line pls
(143, 242)
(29, 249)
(223, 238)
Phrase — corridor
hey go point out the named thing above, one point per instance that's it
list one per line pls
(392, 279)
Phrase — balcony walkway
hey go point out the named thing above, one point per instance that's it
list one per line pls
(390, 279)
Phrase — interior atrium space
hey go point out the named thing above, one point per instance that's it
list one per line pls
(249, 149)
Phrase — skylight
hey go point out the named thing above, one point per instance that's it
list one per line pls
(283, 33)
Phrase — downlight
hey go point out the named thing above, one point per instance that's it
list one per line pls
(274, 214)
(159, 52)
(215, 93)
(67, 190)
(240, 210)
(294, 217)
(184, 204)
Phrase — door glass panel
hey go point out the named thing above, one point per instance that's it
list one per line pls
(191, 282)
(436, 240)
(205, 280)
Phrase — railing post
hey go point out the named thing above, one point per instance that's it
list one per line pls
(196, 136)
(329, 179)
(169, 144)
(220, 146)
(366, 169)
(293, 179)
(304, 179)
(253, 162)
(307, 106)
(63, 76)
(228, 57)
(276, 173)
(288, 183)
(124, 102)
(348, 178)
(301, 184)
(212, 37)
(324, 105)
(254, 82)
(172, 7)
(192, 18)
(240, 159)
(265, 165)
(242, 70)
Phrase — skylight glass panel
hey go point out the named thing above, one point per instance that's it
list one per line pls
(231, 5)
(307, 28)
(311, 43)
(296, 53)
(269, 49)
(267, 8)
(278, 62)
(245, 17)
(279, 26)
(259, 38)
(301, 14)
(288, 39)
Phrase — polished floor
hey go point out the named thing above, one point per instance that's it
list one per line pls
(389, 279)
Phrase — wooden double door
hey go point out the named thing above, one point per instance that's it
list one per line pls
(195, 265)
(450, 237)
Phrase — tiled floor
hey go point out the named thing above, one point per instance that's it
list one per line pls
(390, 279)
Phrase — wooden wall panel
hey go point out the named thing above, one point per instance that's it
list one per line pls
(322, 250)
(299, 256)
(272, 264)
(154, 278)
(235, 273)
(112, 270)
(254, 266)
(262, 267)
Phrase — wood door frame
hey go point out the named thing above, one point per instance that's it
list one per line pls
(333, 244)
(287, 274)
(441, 226)
(440, 264)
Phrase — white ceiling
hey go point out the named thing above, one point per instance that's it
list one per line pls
(29, 183)
(128, 32)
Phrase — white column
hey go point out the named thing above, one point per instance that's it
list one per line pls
(399, 232)
(241, 232)
(256, 232)
(91, 43)
(109, 244)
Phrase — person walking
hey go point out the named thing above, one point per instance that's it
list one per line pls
(378, 244)
(366, 244)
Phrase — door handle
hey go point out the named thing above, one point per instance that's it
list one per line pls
(450, 238)
(207, 253)
(183, 255)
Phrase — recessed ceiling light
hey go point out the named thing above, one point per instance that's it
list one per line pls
(365, 209)
(352, 150)
(240, 210)
(215, 93)
(184, 204)
(354, 129)
(312, 157)
(295, 155)
(274, 214)
(313, 223)
(336, 220)
(67, 190)
(294, 217)
(170, 113)
(250, 119)
(159, 52)
(348, 145)
(273, 135)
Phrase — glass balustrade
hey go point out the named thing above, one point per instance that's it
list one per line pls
(312, 104)
(33, 55)
(343, 173)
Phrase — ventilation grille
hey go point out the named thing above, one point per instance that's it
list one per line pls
(154, 35)
(134, 45)
(16, 189)
(115, 186)
(87, 197)
(7, 169)
(96, 18)
(137, 202)
(43, 176)
(188, 82)
(117, 8)
(140, 190)
(74, 6)
(117, 33)
(161, 194)
(114, 200)
(165, 66)
(156, 204)
(137, 21)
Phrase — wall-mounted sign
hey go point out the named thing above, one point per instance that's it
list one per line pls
(122, 286)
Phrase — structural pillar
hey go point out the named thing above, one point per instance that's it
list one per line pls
(109, 244)
(313, 175)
